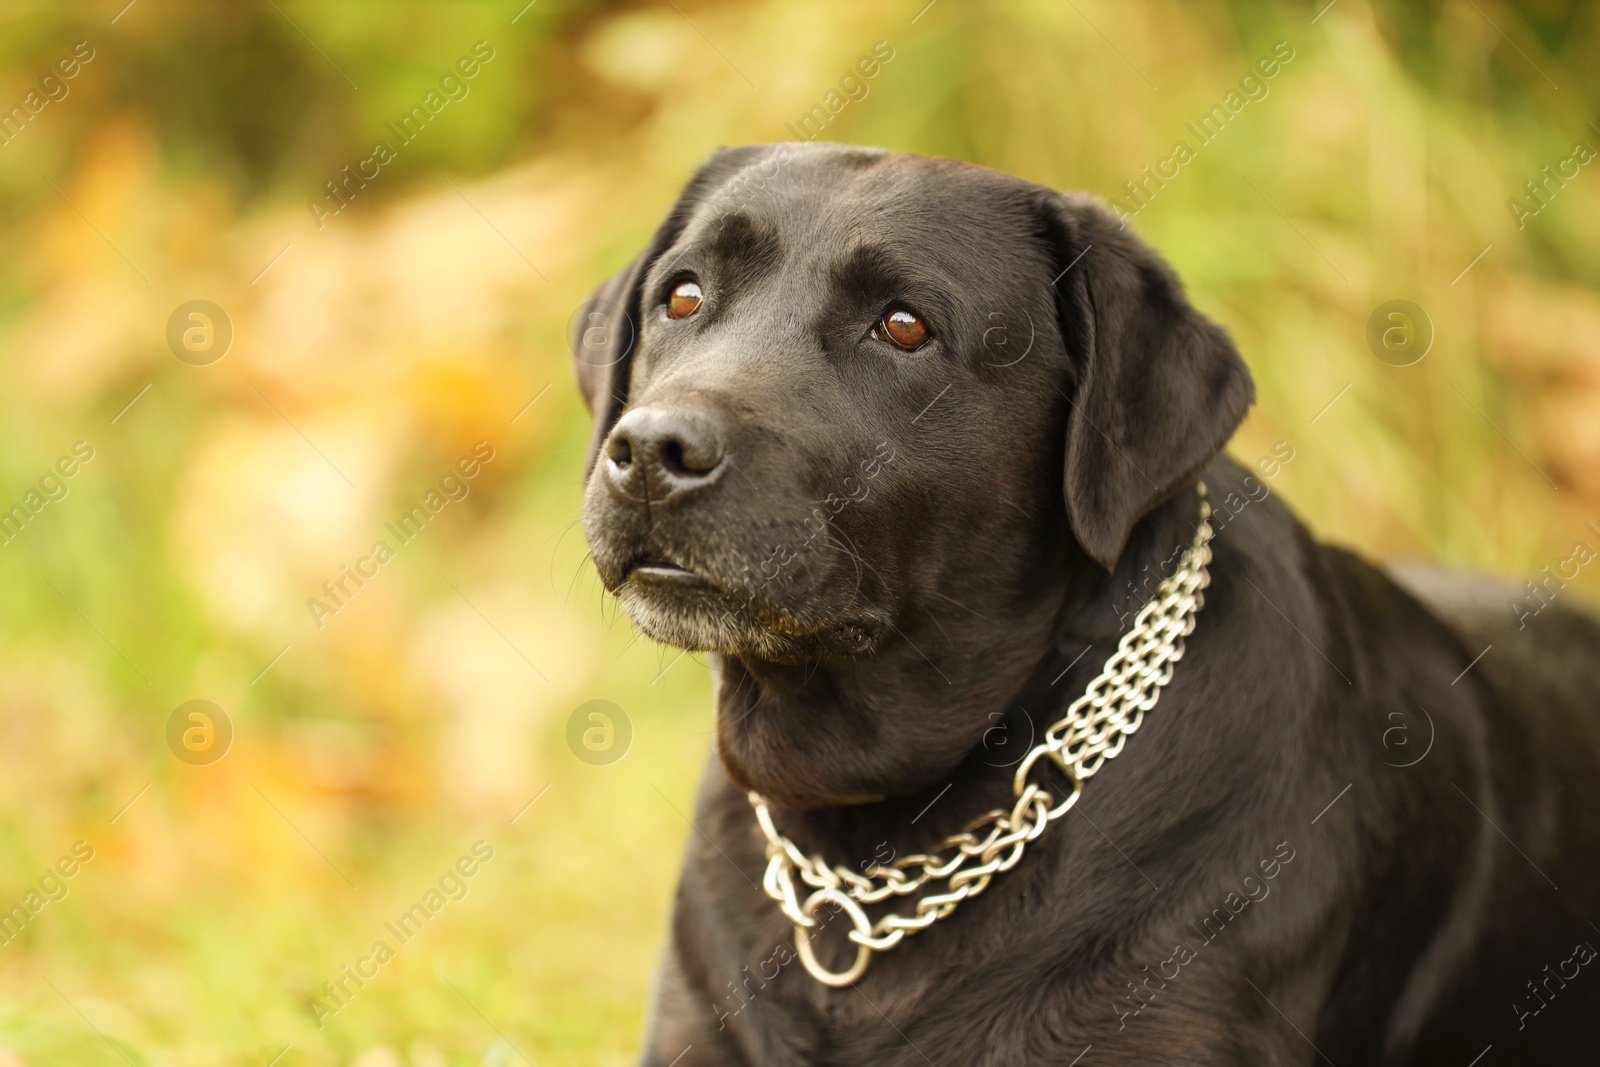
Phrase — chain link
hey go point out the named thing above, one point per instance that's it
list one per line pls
(1093, 730)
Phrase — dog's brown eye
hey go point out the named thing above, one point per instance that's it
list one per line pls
(684, 300)
(903, 329)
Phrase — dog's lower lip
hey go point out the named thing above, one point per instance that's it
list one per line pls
(662, 572)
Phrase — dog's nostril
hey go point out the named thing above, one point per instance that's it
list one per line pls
(685, 460)
(672, 457)
(620, 451)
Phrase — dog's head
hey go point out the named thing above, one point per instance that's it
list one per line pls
(850, 401)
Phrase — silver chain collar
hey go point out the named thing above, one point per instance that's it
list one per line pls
(1094, 729)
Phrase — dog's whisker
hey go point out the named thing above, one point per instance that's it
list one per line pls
(957, 603)
(556, 550)
(577, 574)
(846, 546)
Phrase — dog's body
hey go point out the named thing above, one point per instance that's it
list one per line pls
(1345, 834)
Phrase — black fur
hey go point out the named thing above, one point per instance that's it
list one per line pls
(906, 562)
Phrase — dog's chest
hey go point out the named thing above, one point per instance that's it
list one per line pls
(997, 1015)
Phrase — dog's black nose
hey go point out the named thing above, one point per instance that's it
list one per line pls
(653, 453)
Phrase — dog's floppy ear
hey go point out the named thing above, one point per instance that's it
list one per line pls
(602, 335)
(603, 332)
(1160, 388)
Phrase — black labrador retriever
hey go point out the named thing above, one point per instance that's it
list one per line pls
(913, 447)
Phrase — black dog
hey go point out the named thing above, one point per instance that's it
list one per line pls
(906, 443)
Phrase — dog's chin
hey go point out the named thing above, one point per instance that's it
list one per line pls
(699, 618)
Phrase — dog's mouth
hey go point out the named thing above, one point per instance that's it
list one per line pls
(661, 572)
(680, 604)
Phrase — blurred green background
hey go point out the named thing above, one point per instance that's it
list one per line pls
(371, 351)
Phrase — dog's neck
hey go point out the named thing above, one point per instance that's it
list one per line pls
(953, 700)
